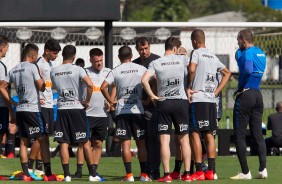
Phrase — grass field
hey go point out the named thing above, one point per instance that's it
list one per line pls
(112, 169)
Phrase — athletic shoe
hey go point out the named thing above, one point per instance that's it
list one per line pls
(34, 176)
(77, 175)
(52, 177)
(128, 177)
(38, 172)
(102, 179)
(27, 178)
(166, 179)
(94, 178)
(175, 175)
(262, 174)
(215, 176)
(198, 175)
(2, 156)
(209, 175)
(154, 175)
(241, 176)
(186, 177)
(3, 178)
(11, 155)
(145, 177)
(67, 179)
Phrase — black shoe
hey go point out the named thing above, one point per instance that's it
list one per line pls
(154, 175)
(77, 175)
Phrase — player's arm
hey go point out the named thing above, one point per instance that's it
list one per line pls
(3, 90)
(89, 89)
(226, 74)
(106, 94)
(145, 82)
(40, 85)
(191, 75)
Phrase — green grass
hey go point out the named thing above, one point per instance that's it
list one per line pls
(112, 169)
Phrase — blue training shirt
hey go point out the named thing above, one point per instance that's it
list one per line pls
(251, 63)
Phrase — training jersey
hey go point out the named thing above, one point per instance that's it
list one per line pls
(169, 71)
(24, 76)
(3, 74)
(251, 65)
(127, 78)
(204, 81)
(45, 69)
(97, 106)
(66, 79)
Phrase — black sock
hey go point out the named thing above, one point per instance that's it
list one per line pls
(177, 166)
(39, 165)
(66, 169)
(144, 167)
(166, 173)
(47, 168)
(113, 146)
(96, 166)
(127, 166)
(192, 167)
(11, 143)
(186, 172)
(92, 170)
(79, 168)
(211, 164)
(25, 169)
(30, 163)
(198, 166)
(2, 150)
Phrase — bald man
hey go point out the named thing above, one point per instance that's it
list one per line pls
(202, 89)
(248, 106)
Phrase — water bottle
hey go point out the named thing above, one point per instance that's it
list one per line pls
(227, 122)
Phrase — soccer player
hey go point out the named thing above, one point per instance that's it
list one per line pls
(171, 104)
(72, 125)
(51, 50)
(202, 89)
(129, 110)
(248, 107)
(28, 83)
(97, 111)
(152, 139)
(80, 62)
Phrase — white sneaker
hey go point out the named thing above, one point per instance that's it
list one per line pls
(262, 174)
(242, 176)
(215, 176)
(128, 177)
(144, 177)
(67, 179)
(96, 178)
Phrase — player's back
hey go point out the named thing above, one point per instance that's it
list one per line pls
(66, 79)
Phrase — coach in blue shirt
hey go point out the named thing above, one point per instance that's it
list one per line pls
(248, 108)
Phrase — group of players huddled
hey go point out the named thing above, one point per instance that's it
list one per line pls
(144, 96)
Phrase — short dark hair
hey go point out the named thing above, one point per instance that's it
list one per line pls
(172, 42)
(246, 34)
(79, 60)
(95, 52)
(141, 41)
(125, 52)
(28, 49)
(198, 35)
(68, 52)
(52, 45)
(3, 40)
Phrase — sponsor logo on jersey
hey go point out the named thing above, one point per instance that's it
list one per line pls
(96, 89)
(67, 93)
(172, 93)
(20, 70)
(260, 55)
(203, 123)
(63, 73)
(128, 71)
(33, 130)
(170, 63)
(207, 56)
(130, 101)
(120, 132)
(58, 134)
(129, 90)
(162, 127)
(172, 82)
(140, 133)
(183, 127)
(21, 89)
(80, 135)
(48, 84)
(210, 77)
(209, 89)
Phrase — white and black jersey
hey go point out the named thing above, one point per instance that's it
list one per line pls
(3, 74)
(24, 76)
(66, 79)
(127, 78)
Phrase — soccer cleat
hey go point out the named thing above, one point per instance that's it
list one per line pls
(11, 155)
(27, 178)
(128, 177)
(215, 176)
(209, 175)
(145, 177)
(102, 179)
(241, 176)
(38, 172)
(3, 178)
(52, 177)
(77, 175)
(186, 177)
(2, 156)
(166, 179)
(198, 175)
(34, 176)
(175, 175)
(94, 178)
(262, 174)
(67, 179)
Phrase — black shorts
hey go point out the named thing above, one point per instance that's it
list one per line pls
(129, 125)
(173, 111)
(4, 120)
(71, 126)
(48, 119)
(30, 124)
(203, 117)
(98, 126)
